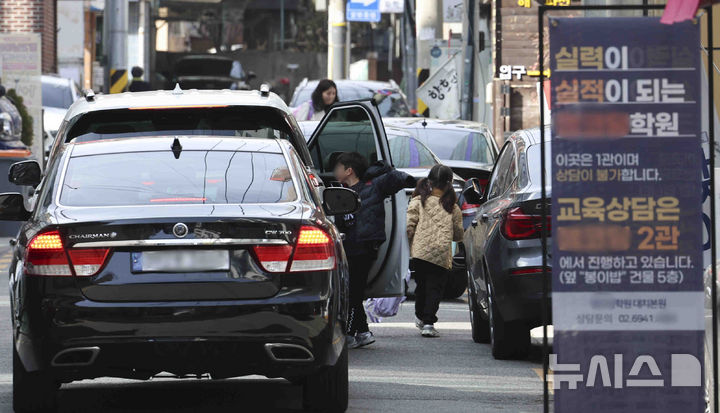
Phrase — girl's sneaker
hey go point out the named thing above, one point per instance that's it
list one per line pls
(428, 330)
(363, 339)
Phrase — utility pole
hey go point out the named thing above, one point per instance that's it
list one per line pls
(337, 30)
(116, 17)
(429, 24)
(409, 60)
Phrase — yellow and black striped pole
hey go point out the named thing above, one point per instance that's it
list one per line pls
(118, 80)
(422, 75)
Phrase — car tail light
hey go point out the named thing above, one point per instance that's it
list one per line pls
(314, 251)
(87, 262)
(469, 210)
(273, 258)
(529, 270)
(518, 225)
(46, 256)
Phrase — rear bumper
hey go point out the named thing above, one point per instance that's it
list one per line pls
(222, 339)
(521, 299)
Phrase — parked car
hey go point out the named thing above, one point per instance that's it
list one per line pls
(177, 277)
(58, 93)
(392, 103)
(259, 114)
(210, 72)
(414, 158)
(503, 248)
(465, 146)
(163, 157)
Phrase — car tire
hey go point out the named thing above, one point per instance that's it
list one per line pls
(455, 285)
(508, 340)
(327, 390)
(32, 392)
(480, 326)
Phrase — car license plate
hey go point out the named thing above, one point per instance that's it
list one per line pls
(181, 261)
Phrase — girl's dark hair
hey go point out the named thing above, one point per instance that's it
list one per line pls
(317, 100)
(440, 177)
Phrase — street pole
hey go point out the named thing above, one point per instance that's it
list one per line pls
(116, 16)
(429, 26)
(408, 45)
(336, 39)
(282, 25)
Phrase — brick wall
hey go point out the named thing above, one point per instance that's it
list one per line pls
(36, 16)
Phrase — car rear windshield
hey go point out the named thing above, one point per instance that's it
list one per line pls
(196, 177)
(408, 152)
(460, 146)
(240, 121)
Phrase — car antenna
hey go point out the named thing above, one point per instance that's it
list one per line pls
(176, 148)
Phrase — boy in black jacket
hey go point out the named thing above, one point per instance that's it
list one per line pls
(365, 229)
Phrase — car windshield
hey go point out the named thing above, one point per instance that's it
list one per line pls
(56, 95)
(408, 152)
(460, 145)
(196, 177)
(240, 121)
(393, 103)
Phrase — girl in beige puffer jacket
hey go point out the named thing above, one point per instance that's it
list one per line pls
(434, 221)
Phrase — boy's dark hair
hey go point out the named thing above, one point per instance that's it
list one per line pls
(440, 177)
(137, 71)
(317, 99)
(353, 160)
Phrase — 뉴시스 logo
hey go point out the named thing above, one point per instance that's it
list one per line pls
(684, 371)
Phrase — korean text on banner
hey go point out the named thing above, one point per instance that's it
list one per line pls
(440, 91)
(627, 287)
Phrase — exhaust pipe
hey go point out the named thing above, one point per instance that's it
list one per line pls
(75, 357)
(286, 353)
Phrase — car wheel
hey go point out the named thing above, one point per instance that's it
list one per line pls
(327, 390)
(32, 392)
(456, 284)
(480, 326)
(507, 339)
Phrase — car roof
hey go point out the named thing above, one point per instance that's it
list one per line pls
(188, 143)
(356, 84)
(431, 123)
(54, 79)
(169, 98)
(532, 135)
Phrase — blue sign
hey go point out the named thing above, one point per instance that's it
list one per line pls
(627, 229)
(363, 11)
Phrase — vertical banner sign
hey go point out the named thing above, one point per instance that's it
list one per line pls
(627, 288)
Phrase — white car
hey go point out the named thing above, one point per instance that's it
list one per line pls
(58, 93)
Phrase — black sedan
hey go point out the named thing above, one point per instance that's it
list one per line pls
(188, 255)
(504, 251)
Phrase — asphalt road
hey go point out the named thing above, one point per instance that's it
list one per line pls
(401, 372)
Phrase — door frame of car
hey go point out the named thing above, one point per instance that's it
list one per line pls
(386, 278)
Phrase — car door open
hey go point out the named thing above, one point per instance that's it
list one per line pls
(357, 127)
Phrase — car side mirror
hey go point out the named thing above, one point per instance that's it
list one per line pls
(25, 173)
(12, 207)
(473, 192)
(340, 201)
